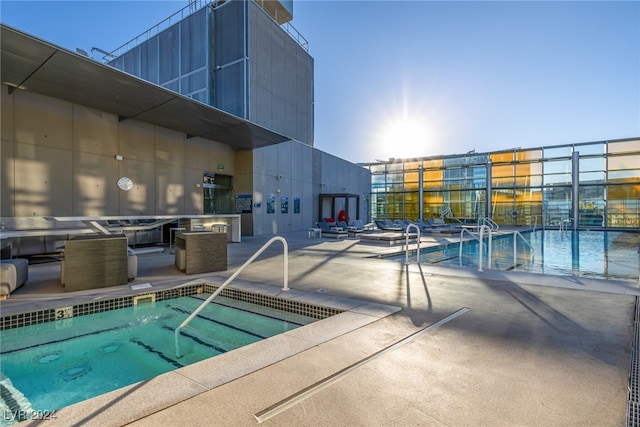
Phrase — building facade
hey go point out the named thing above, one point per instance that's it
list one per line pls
(232, 55)
(586, 185)
(73, 128)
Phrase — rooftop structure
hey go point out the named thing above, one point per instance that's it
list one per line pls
(590, 184)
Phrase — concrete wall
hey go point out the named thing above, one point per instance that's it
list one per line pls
(280, 79)
(295, 170)
(58, 158)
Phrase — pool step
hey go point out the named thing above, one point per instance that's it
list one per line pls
(15, 407)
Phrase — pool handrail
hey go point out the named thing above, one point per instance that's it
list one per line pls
(489, 222)
(564, 223)
(230, 279)
(480, 239)
(516, 233)
(406, 233)
(535, 221)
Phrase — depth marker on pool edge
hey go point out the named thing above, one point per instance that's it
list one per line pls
(320, 385)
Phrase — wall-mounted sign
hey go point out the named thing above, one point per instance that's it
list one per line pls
(243, 203)
(271, 204)
(284, 204)
(296, 205)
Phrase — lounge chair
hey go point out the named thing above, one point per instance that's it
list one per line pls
(438, 225)
(330, 229)
(388, 225)
(351, 228)
(358, 224)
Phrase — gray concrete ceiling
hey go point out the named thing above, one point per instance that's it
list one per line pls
(29, 63)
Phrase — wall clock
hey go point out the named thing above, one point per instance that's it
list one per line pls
(125, 183)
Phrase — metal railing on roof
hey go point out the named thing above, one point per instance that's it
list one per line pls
(192, 7)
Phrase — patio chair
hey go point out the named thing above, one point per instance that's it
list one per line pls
(330, 229)
(387, 225)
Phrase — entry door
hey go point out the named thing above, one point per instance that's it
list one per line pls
(217, 194)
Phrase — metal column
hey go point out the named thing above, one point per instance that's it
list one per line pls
(421, 193)
(575, 180)
(489, 189)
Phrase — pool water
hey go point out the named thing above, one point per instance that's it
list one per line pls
(56, 364)
(595, 254)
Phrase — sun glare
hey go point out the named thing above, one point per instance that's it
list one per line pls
(403, 137)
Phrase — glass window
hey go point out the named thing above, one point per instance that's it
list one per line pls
(523, 169)
(624, 162)
(395, 167)
(623, 176)
(629, 146)
(557, 152)
(432, 175)
(557, 204)
(432, 164)
(410, 186)
(623, 206)
(528, 180)
(411, 166)
(557, 167)
(559, 178)
(395, 178)
(525, 181)
(502, 182)
(592, 177)
(435, 186)
(411, 176)
(591, 203)
(501, 171)
(529, 155)
(592, 164)
(502, 157)
(377, 179)
(590, 149)
(377, 169)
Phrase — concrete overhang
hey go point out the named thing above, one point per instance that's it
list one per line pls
(29, 63)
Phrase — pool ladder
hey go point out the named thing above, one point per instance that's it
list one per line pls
(285, 287)
(489, 223)
(480, 239)
(406, 236)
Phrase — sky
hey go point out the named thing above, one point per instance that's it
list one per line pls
(402, 79)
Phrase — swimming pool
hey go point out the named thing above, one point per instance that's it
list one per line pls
(595, 254)
(50, 365)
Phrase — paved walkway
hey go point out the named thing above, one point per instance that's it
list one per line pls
(513, 349)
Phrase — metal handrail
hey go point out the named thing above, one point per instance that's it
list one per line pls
(489, 222)
(564, 223)
(480, 240)
(406, 256)
(230, 279)
(535, 221)
(516, 233)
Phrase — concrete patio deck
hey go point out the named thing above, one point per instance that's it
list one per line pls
(526, 349)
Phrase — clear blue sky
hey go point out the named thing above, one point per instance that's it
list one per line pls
(420, 78)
